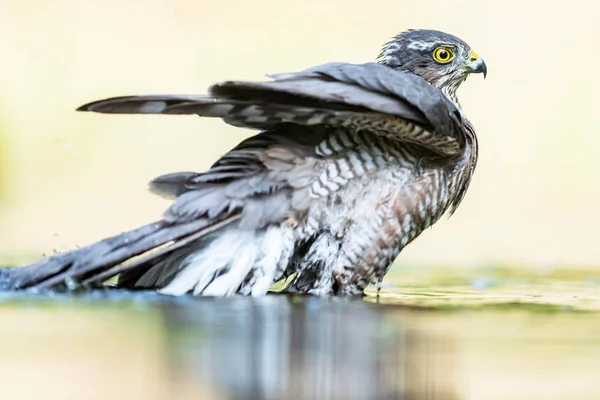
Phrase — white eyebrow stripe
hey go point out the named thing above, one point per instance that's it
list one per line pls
(420, 45)
(415, 45)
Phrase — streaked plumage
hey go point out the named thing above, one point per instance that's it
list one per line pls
(352, 163)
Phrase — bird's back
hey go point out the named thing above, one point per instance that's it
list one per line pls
(346, 202)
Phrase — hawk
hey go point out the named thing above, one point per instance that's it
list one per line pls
(351, 163)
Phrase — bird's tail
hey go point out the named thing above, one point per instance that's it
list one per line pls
(93, 264)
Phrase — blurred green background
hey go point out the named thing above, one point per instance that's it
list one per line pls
(72, 178)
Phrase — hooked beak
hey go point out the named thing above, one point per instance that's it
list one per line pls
(476, 65)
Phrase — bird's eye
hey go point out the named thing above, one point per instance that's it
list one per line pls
(443, 55)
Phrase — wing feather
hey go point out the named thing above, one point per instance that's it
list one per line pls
(335, 94)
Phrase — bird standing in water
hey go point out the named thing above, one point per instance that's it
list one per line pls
(352, 163)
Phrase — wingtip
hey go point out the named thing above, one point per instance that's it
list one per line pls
(90, 106)
(101, 105)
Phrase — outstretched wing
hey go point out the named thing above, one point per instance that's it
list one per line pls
(366, 96)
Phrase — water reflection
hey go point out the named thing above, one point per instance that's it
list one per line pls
(146, 346)
(281, 347)
(119, 345)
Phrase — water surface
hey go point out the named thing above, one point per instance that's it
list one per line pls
(512, 338)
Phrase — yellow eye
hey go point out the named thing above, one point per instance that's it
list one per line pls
(443, 55)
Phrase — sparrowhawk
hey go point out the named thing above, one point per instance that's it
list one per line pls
(352, 163)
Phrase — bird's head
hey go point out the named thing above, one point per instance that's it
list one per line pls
(443, 60)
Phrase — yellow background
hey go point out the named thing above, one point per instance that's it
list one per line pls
(72, 178)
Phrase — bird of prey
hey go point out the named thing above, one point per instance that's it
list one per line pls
(351, 163)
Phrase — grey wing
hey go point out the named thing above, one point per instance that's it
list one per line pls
(263, 181)
(261, 169)
(257, 183)
(366, 96)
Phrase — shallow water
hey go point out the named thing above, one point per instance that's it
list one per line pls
(492, 336)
